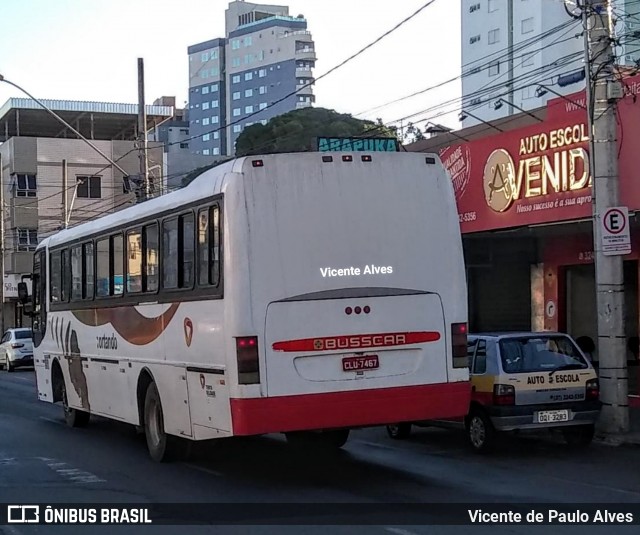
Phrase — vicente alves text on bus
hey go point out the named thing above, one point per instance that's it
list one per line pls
(354, 271)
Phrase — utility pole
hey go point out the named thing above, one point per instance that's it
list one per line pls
(142, 133)
(602, 95)
(64, 194)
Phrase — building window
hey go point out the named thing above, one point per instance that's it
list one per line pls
(204, 56)
(236, 112)
(235, 62)
(474, 39)
(214, 87)
(205, 121)
(262, 73)
(89, 187)
(248, 93)
(216, 151)
(235, 44)
(237, 128)
(492, 5)
(204, 74)
(494, 68)
(184, 145)
(260, 55)
(215, 72)
(205, 89)
(528, 92)
(27, 239)
(205, 152)
(248, 58)
(528, 59)
(206, 137)
(214, 103)
(248, 109)
(216, 135)
(248, 76)
(248, 41)
(263, 105)
(526, 25)
(25, 185)
(235, 79)
(205, 105)
(215, 119)
(262, 90)
(494, 36)
(236, 95)
(214, 54)
(474, 7)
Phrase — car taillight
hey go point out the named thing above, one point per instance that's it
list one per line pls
(459, 345)
(247, 356)
(593, 390)
(15, 345)
(504, 395)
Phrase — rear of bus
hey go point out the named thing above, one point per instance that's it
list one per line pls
(356, 292)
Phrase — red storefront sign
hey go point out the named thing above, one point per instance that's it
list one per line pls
(539, 174)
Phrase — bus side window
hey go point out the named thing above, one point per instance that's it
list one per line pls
(471, 348)
(203, 247)
(134, 261)
(187, 251)
(55, 280)
(215, 246)
(87, 287)
(77, 275)
(102, 262)
(118, 264)
(150, 257)
(170, 253)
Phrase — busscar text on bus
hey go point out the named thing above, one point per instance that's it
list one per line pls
(306, 294)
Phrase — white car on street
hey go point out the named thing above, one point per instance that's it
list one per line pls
(16, 349)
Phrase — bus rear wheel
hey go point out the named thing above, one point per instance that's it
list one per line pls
(73, 417)
(162, 447)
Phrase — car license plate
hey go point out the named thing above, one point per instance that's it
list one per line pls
(552, 416)
(365, 362)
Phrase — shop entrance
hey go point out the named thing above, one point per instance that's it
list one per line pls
(581, 309)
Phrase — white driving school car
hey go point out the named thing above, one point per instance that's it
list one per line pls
(526, 381)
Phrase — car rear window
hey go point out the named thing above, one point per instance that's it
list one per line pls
(540, 353)
(23, 335)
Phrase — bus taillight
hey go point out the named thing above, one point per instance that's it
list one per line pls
(247, 356)
(459, 345)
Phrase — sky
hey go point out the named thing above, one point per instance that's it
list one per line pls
(88, 50)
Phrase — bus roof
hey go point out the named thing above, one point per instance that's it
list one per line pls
(209, 183)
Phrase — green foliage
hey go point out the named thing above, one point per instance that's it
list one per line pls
(296, 131)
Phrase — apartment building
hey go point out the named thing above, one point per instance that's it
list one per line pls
(35, 151)
(249, 76)
(520, 53)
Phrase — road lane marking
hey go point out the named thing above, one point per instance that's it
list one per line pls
(203, 469)
(399, 531)
(74, 475)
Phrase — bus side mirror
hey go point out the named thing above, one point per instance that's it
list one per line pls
(23, 293)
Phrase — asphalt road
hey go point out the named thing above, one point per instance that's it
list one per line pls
(41, 460)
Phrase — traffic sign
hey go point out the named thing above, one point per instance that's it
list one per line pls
(614, 226)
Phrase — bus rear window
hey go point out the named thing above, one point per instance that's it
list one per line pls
(540, 353)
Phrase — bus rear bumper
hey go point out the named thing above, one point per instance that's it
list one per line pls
(359, 408)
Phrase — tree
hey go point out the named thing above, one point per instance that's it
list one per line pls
(296, 131)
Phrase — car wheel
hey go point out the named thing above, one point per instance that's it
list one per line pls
(73, 417)
(580, 436)
(9, 366)
(162, 447)
(399, 431)
(480, 431)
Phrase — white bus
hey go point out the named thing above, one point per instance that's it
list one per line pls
(305, 294)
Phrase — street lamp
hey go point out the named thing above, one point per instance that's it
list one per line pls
(498, 104)
(542, 90)
(60, 119)
(463, 115)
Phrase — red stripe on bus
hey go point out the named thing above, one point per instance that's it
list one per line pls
(355, 408)
(357, 341)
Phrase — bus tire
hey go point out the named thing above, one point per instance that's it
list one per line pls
(399, 431)
(336, 438)
(579, 436)
(480, 431)
(162, 447)
(73, 417)
(324, 440)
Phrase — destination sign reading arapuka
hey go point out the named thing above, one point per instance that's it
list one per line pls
(354, 144)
